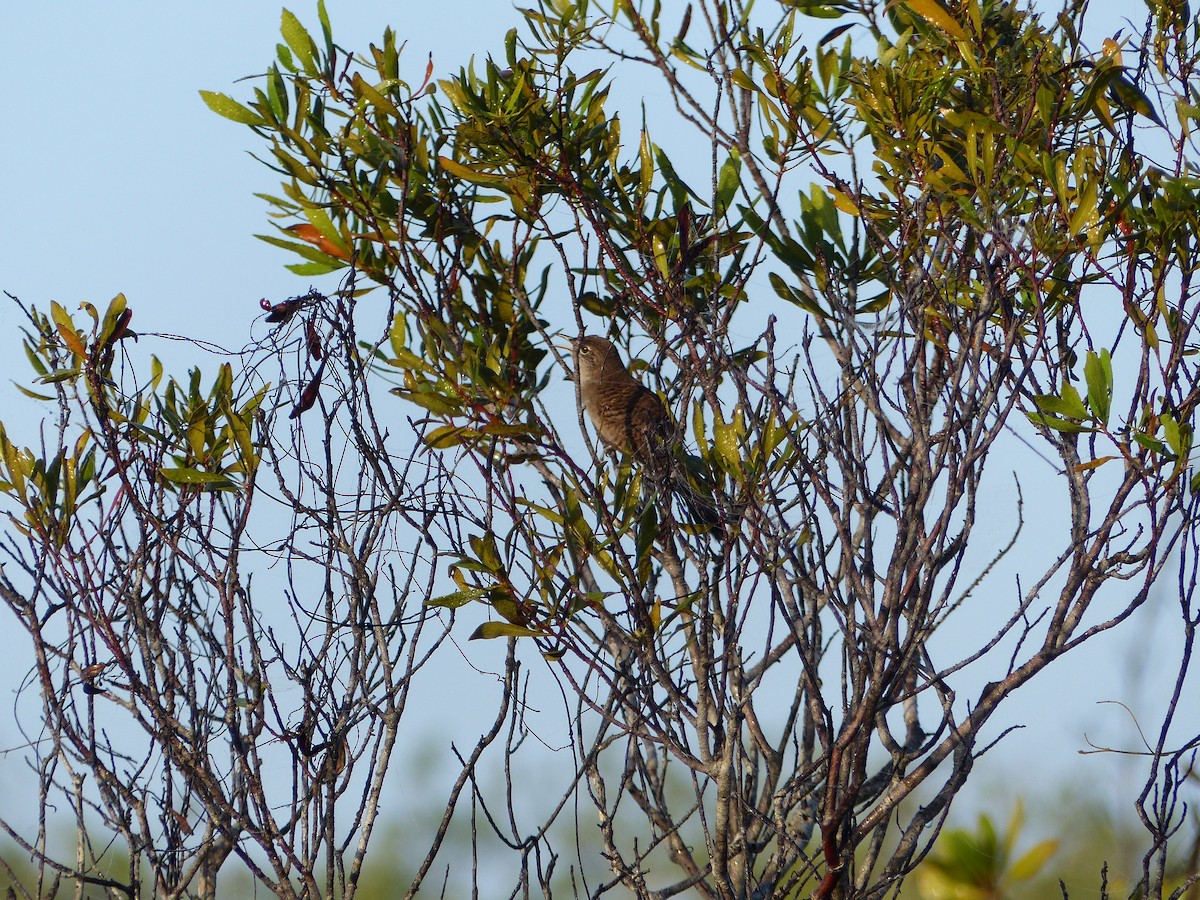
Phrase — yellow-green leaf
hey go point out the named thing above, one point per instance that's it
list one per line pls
(225, 106)
(937, 15)
(60, 375)
(646, 174)
(299, 41)
(180, 475)
(843, 202)
(1086, 214)
(460, 171)
(1093, 464)
(1129, 96)
(726, 438)
(445, 436)
(489, 630)
(31, 394)
(456, 599)
(1098, 373)
(1032, 861)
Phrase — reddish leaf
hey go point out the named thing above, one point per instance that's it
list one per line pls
(309, 233)
(121, 330)
(313, 340)
(428, 75)
(309, 395)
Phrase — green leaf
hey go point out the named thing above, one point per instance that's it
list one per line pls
(61, 317)
(680, 191)
(243, 438)
(60, 375)
(486, 550)
(645, 536)
(1129, 96)
(489, 630)
(457, 599)
(436, 403)
(299, 41)
(321, 221)
(446, 436)
(743, 81)
(699, 429)
(1054, 423)
(728, 181)
(458, 170)
(933, 12)
(374, 97)
(308, 251)
(326, 31)
(790, 294)
(1032, 861)
(1070, 404)
(116, 309)
(726, 438)
(1177, 436)
(816, 8)
(1150, 443)
(31, 394)
(226, 106)
(1086, 214)
(1097, 370)
(310, 269)
(646, 168)
(181, 475)
(545, 512)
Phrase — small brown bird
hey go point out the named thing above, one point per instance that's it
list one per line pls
(632, 419)
(629, 417)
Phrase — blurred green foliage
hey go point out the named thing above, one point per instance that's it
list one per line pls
(982, 864)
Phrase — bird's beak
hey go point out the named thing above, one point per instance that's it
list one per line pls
(568, 348)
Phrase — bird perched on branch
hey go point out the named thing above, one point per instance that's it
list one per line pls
(631, 419)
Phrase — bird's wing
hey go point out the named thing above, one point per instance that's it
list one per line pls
(650, 423)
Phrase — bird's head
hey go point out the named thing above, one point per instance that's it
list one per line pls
(595, 358)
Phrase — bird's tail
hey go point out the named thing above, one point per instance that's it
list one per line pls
(693, 483)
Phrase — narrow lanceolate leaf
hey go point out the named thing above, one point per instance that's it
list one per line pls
(1129, 96)
(456, 599)
(446, 436)
(326, 245)
(933, 12)
(31, 394)
(490, 630)
(224, 105)
(1093, 463)
(60, 375)
(299, 41)
(1069, 403)
(327, 32)
(844, 202)
(726, 438)
(458, 170)
(1086, 214)
(71, 340)
(1032, 861)
(646, 168)
(1097, 370)
(180, 475)
(1055, 423)
(728, 181)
